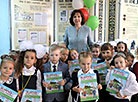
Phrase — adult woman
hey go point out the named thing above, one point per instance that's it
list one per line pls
(78, 36)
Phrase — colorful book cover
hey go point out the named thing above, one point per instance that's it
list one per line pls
(74, 66)
(31, 95)
(102, 71)
(94, 61)
(7, 94)
(53, 78)
(88, 83)
(117, 80)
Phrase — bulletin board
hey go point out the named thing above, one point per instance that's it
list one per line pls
(31, 20)
(129, 23)
(63, 12)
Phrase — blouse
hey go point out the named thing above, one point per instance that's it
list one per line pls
(78, 40)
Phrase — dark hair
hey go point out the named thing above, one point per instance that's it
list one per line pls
(73, 13)
(130, 54)
(20, 62)
(121, 42)
(95, 46)
(106, 46)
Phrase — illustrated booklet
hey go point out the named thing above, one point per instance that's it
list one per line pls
(53, 78)
(7, 94)
(74, 66)
(88, 83)
(94, 61)
(117, 80)
(31, 95)
(102, 71)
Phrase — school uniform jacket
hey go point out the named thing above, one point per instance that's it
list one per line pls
(61, 96)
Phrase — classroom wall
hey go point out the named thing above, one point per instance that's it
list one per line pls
(4, 27)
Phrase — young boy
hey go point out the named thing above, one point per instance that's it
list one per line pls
(85, 59)
(55, 65)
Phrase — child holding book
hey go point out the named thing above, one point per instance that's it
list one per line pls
(6, 69)
(107, 55)
(85, 59)
(131, 86)
(55, 65)
(95, 50)
(29, 76)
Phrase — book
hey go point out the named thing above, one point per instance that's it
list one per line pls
(74, 66)
(102, 71)
(94, 61)
(88, 83)
(31, 95)
(7, 94)
(53, 78)
(117, 80)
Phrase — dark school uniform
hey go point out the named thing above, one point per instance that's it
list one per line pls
(75, 95)
(10, 83)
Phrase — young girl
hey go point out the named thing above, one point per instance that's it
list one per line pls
(29, 76)
(121, 46)
(131, 88)
(96, 50)
(6, 69)
(85, 59)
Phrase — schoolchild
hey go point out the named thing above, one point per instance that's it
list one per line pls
(122, 46)
(107, 55)
(6, 69)
(64, 54)
(96, 53)
(96, 50)
(85, 59)
(130, 60)
(73, 54)
(29, 76)
(131, 87)
(55, 65)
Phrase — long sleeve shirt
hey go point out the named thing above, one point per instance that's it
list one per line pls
(131, 87)
(78, 40)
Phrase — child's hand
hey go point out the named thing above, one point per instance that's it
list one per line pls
(100, 86)
(45, 84)
(118, 94)
(76, 89)
(61, 82)
(112, 67)
(107, 63)
(69, 64)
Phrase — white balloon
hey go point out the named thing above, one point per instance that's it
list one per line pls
(77, 4)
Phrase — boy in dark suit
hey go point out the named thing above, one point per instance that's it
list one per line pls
(55, 65)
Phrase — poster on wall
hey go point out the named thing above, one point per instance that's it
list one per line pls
(129, 25)
(63, 11)
(31, 20)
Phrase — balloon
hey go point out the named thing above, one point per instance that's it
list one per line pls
(93, 22)
(86, 15)
(77, 4)
(89, 3)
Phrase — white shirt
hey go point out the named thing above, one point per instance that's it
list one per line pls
(131, 87)
(31, 71)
